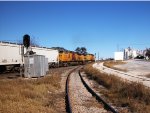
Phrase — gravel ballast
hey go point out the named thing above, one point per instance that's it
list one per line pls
(81, 100)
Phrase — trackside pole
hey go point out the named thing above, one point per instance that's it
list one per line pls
(95, 57)
(21, 64)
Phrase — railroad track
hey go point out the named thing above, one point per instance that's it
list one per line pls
(68, 102)
(78, 94)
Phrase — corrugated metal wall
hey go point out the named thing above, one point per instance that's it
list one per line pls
(35, 66)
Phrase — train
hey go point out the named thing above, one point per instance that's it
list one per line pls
(73, 58)
(11, 57)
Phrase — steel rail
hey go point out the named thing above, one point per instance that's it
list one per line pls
(106, 105)
(67, 97)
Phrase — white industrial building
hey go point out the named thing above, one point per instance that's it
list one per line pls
(128, 53)
(119, 56)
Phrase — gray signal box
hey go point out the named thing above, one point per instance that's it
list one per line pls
(35, 66)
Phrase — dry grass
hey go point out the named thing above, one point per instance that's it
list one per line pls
(30, 96)
(133, 95)
(148, 75)
(111, 64)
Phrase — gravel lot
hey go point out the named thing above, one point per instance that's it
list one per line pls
(81, 100)
(136, 67)
(136, 71)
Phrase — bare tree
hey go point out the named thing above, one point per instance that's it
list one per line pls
(34, 42)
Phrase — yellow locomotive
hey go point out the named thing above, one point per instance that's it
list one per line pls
(73, 58)
(89, 57)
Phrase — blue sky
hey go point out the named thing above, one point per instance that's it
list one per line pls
(98, 26)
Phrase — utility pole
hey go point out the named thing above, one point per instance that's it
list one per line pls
(95, 57)
(26, 43)
(98, 56)
(21, 65)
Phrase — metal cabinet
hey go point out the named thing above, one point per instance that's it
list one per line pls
(35, 66)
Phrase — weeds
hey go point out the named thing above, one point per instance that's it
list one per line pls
(29, 96)
(134, 95)
(111, 64)
(148, 75)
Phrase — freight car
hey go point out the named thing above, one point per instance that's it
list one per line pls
(49, 53)
(11, 55)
